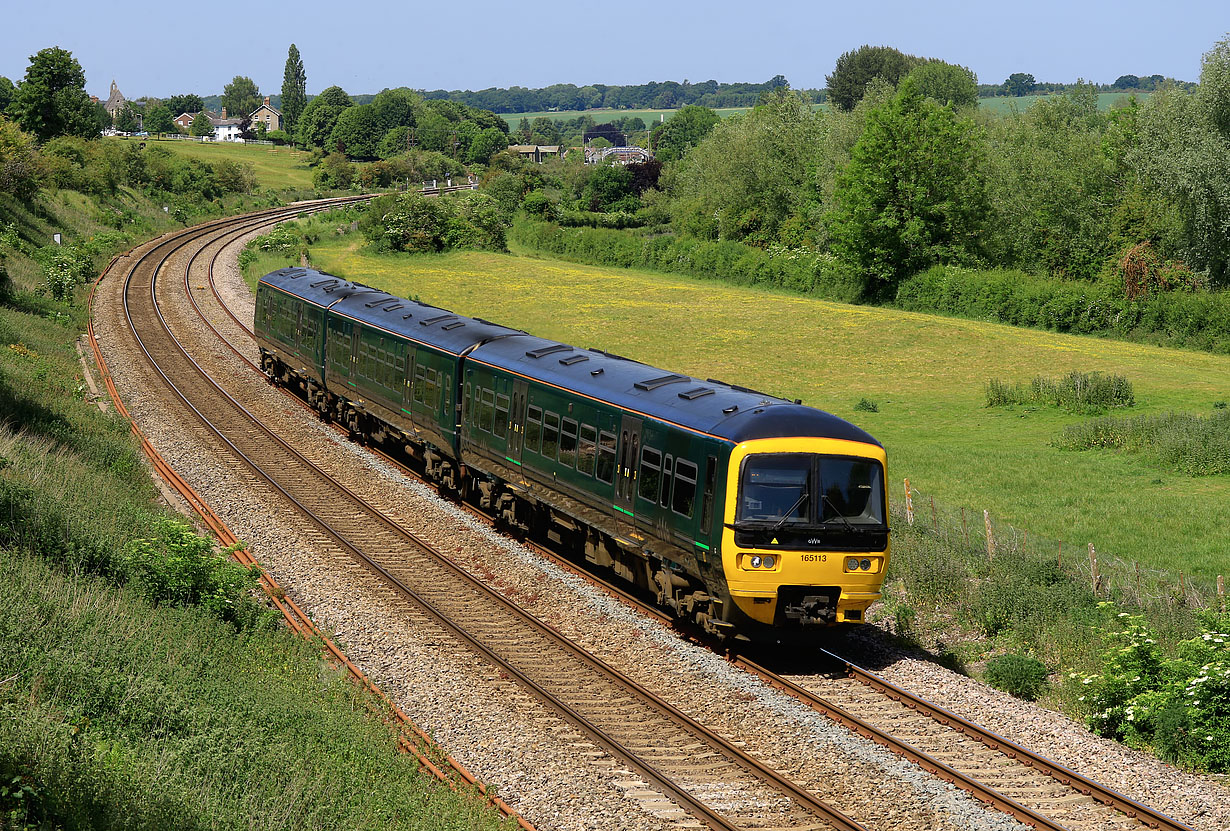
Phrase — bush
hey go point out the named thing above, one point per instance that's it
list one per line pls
(278, 137)
(866, 406)
(1088, 392)
(1017, 675)
(416, 223)
(1190, 444)
(179, 568)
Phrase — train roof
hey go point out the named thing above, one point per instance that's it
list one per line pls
(708, 406)
(413, 319)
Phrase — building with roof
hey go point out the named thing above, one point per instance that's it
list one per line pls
(538, 152)
(268, 115)
(115, 102)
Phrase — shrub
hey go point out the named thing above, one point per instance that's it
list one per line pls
(866, 406)
(1090, 392)
(1017, 675)
(1190, 444)
(179, 568)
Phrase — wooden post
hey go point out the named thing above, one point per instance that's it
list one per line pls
(935, 525)
(1061, 553)
(909, 503)
(986, 520)
(964, 530)
(1137, 581)
(1221, 593)
(1182, 589)
(1024, 540)
(1093, 568)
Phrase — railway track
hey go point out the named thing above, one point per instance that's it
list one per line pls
(667, 753)
(1038, 792)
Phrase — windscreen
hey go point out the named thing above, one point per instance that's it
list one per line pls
(809, 489)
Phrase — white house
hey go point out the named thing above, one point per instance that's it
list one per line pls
(225, 129)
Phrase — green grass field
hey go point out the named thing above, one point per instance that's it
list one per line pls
(996, 105)
(925, 373)
(277, 168)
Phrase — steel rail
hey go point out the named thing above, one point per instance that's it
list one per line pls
(411, 738)
(805, 798)
(1009, 748)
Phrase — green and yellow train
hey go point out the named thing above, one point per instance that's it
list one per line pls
(750, 514)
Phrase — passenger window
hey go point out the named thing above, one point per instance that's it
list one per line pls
(568, 443)
(420, 384)
(586, 450)
(666, 482)
(685, 488)
(550, 435)
(533, 428)
(651, 474)
(501, 415)
(606, 457)
(469, 405)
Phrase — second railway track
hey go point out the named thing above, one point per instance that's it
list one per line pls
(706, 777)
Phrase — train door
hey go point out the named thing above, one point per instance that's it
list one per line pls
(625, 474)
(516, 421)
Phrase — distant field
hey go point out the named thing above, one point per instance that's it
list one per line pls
(998, 105)
(277, 168)
(925, 373)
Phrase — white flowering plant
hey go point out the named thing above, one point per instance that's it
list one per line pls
(1177, 706)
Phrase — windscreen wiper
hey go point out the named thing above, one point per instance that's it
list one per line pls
(797, 504)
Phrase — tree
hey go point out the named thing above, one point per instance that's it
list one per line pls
(682, 131)
(240, 97)
(52, 100)
(1126, 82)
(201, 125)
(126, 119)
(7, 91)
(948, 84)
(294, 89)
(159, 119)
(485, 145)
(1019, 83)
(608, 185)
(319, 117)
(19, 164)
(856, 69)
(180, 104)
(356, 133)
(913, 194)
(1214, 89)
(396, 108)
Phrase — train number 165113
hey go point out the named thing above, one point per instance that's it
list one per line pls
(815, 558)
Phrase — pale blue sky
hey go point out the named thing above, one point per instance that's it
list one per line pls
(162, 48)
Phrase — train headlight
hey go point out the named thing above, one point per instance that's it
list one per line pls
(852, 564)
(769, 561)
(756, 561)
(865, 565)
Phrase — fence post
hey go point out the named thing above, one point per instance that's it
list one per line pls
(1138, 595)
(935, 525)
(1182, 589)
(986, 520)
(1221, 593)
(909, 503)
(964, 530)
(1061, 553)
(1093, 568)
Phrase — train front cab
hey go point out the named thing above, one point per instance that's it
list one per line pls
(805, 537)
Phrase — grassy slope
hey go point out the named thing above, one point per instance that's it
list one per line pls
(925, 372)
(277, 168)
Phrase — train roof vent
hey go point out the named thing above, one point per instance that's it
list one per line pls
(379, 302)
(437, 319)
(698, 392)
(654, 383)
(597, 371)
(573, 359)
(323, 282)
(732, 408)
(454, 325)
(547, 350)
(294, 273)
(394, 307)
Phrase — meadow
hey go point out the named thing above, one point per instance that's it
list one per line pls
(926, 376)
(276, 168)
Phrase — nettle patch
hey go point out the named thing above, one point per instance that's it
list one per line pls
(1177, 706)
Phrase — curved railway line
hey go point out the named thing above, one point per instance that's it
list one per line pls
(689, 766)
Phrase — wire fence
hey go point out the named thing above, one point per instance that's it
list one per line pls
(1108, 577)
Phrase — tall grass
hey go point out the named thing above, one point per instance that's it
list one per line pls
(114, 714)
(1081, 392)
(1191, 444)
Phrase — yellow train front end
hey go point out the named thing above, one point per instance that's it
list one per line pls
(805, 539)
